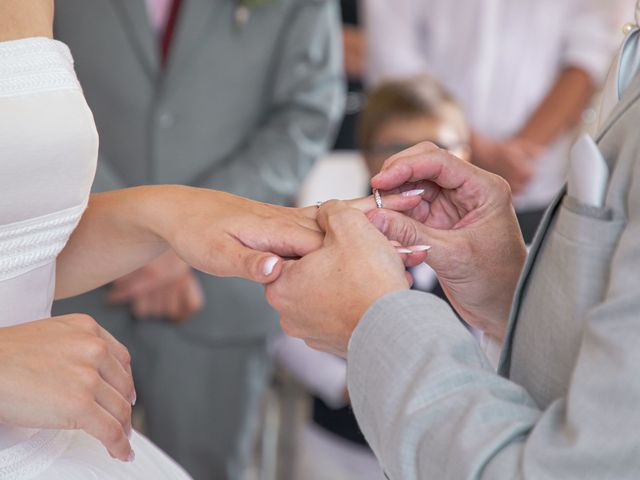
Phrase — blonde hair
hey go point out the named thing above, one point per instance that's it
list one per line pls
(420, 96)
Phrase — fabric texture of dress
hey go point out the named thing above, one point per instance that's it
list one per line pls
(48, 152)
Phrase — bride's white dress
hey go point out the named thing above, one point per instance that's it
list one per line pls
(48, 153)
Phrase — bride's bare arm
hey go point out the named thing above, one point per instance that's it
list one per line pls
(215, 232)
(25, 18)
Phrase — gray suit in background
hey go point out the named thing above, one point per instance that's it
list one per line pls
(242, 109)
(567, 403)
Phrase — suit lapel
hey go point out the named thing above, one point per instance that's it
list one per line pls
(135, 19)
(194, 21)
(629, 97)
(505, 357)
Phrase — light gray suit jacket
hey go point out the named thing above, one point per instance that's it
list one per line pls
(567, 402)
(245, 110)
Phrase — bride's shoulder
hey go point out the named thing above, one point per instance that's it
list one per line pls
(20, 19)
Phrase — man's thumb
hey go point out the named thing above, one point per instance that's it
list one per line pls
(398, 227)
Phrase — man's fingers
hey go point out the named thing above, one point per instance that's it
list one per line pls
(409, 278)
(194, 297)
(418, 149)
(439, 167)
(127, 289)
(285, 240)
(157, 303)
(415, 258)
(100, 424)
(398, 227)
(337, 214)
(297, 242)
(174, 304)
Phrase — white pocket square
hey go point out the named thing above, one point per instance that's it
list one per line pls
(588, 173)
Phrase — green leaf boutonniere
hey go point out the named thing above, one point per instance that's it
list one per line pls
(243, 10)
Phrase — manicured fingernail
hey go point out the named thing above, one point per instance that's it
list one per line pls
(420, 248)
(413, 193)
(132, 456)
(403, 250)
(269, 265)
(134, 399)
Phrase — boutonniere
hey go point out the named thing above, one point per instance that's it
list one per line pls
(244, 8)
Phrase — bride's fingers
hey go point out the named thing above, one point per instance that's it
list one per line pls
(309, 223)
(116, 375)
(310, 213)
(117, 349)
(115, 404)
(100, 424)
(400, 202)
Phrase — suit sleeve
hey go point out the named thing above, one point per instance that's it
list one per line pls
(305, 108)
(431, 406)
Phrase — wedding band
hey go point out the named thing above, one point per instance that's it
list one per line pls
(377, 197)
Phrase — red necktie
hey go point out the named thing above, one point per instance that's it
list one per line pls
(168, 31)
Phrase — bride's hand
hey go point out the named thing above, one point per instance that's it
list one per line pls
(225, 235)
(67, 373)
(466, 215)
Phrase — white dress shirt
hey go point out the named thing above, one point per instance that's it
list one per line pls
(499, 58)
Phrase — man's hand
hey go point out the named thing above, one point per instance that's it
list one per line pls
(514, 159)
(467, 217)
(167, 287)
(322, 296)
(67, 373)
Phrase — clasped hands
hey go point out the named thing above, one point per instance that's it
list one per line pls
(322, 269)
(464, 213)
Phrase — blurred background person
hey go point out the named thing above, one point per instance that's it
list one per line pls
(355, 56)
(240, 96)
(397, 115)
(523, 71)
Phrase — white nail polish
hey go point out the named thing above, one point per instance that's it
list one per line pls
(269, 265)
(403, 250)
(132, 456)
(413, 193)
(420, 248)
